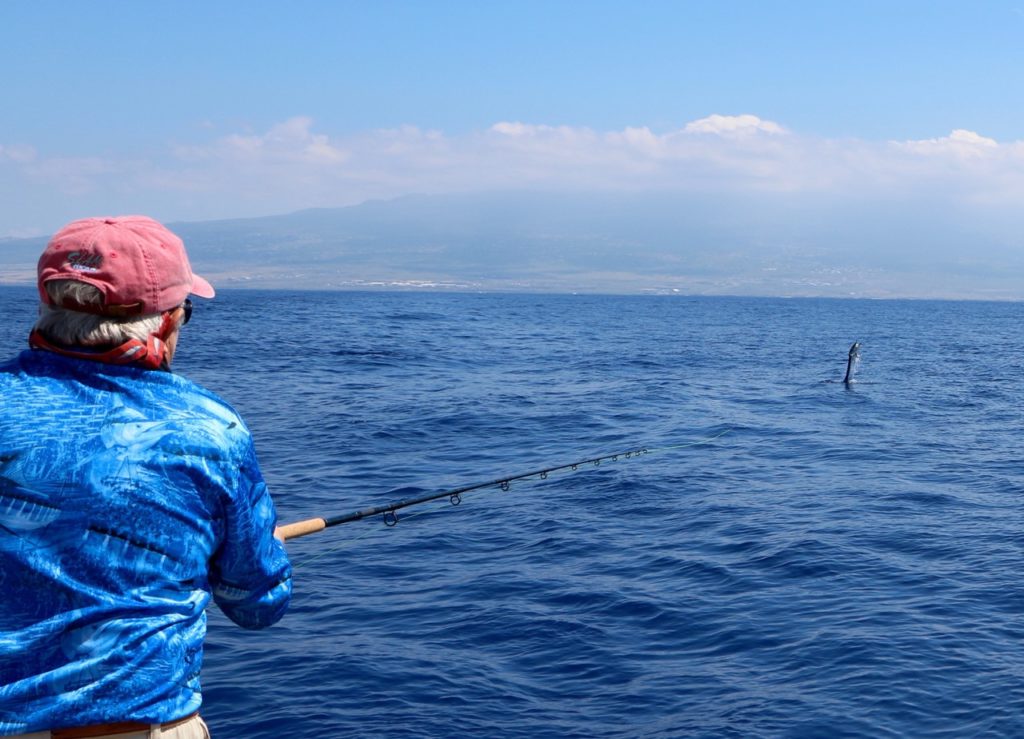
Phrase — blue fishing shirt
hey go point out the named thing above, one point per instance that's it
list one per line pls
(128, 498)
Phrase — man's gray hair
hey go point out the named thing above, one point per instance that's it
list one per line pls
(75, 328)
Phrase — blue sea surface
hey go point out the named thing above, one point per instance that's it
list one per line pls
(794, 557)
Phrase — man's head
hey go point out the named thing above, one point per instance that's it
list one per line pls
(138, 266)
(118, 283)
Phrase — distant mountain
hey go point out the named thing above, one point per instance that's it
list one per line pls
(764, 245)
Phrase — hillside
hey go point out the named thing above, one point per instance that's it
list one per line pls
(604, 243)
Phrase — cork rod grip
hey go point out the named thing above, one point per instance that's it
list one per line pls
(300, 528)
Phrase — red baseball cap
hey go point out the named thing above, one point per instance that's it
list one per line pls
(138, 265)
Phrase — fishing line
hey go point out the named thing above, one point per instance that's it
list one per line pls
(389, 511)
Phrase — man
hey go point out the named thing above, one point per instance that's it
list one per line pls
(128, 497)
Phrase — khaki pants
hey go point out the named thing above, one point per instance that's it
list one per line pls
(194, 728)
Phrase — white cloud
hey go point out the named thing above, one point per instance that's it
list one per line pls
(17, 153)
(291, 140)
(518, 129)
(296, 164)
(959, 143)
(640, 139)
(733, 125)
(75, 175)
(527, 130)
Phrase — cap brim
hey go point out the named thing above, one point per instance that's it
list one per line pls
(201, 287)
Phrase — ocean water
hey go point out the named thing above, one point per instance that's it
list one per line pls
(794, 557)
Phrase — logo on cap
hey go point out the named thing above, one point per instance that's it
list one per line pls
(83, 261)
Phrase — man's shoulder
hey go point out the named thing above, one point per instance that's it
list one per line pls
(123, 395)
(23, 367)
(177, 417)
(199, 403)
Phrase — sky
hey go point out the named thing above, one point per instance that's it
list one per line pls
(205, 110)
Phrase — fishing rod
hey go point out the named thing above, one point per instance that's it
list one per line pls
(454, 496)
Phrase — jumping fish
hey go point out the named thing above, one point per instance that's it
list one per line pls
(852, 362)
